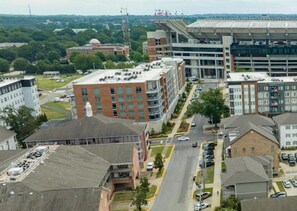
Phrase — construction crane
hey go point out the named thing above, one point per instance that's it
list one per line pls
(125, 26)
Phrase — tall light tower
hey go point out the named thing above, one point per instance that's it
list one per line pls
(125, 26)
(29, 8)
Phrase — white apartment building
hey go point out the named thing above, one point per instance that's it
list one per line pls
(17, 92)
(286, 129)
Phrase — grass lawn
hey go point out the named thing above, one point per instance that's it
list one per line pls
(168, 152)
(44, 82)
(160, 173)
(152, 191)
(60, 105)
(156, 150)
(52, 114)
(280, 186)
(223, 167)
(209, 174)
(122, 196)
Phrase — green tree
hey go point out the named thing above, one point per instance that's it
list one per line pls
(230, 204)
(164, 127)
(7, 54)
(21, 121)
(110, 64)
(145, 185)
(139, 198)
(121, 58)
(241, 69)
(20, 64)
(84, 62)
(111, 57)
(210, 104)
(101, 56)
(4, 66)
(136, 56)
(52, 56)
(158, 163)
(70, 44)
(73, 55)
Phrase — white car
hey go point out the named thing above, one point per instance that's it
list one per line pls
(183, 138)
(294, 182)
(150, 166)
(287, 184)
(200, 206)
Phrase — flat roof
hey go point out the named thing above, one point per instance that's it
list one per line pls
(141, 73)
(9, 80)
(247, 76)
(249, 24)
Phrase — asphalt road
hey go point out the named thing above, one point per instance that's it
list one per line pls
(176, 189)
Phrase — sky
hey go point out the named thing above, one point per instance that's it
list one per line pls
(146, 7)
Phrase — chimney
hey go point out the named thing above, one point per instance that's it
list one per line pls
(89, 112)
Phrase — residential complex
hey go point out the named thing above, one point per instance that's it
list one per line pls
(94, 130)
(66, 177)
(251, 92)
(251, 135)
(146, 93)
(17, 92)
(212, 48)
(7, 139)
(95, 46)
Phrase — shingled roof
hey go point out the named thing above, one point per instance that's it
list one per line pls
(286, 119)
(5, 133)
(88, 127)
(243, 170)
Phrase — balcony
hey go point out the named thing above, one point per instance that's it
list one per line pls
(153, 90)
(154, 104)
(274, 104)
(152, 97)
(155, 111)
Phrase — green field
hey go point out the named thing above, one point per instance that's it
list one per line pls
(45, 82)
(209, 174)
(152, 191)
(55, 110)
(156, 150)
(168, 152)
(122, 196)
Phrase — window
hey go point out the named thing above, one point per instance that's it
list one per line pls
(128, 90)
(85, 99)
(123, 113)
(294, 127)
(84, 91)
(288, 143)
(112, 90)
(131, 113)
(122, 106)
(295, 143)
(235, 151)
(138, 89)
(288, 127)
(252, 150)
(121, 99)
(113, 99)
(130, 106)
(140, 105)
(120, 90)
(139, 97)
(96, 91)
(129, 98)
(243, 150)
(141, 119)
(97, 99)
(141, 112)
(98, 107)
(115, 113)
(114, 106)
(288, 135)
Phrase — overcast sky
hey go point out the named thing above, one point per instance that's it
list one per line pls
(146, 7)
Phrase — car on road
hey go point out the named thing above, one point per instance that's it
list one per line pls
(284, 156)
(287, 184)
(202, 195)
(183, 138)
(278, 195)
(150, 166)
(206, 164)
(193, 124)
(294, 182)
(195, 144)
(200, 206)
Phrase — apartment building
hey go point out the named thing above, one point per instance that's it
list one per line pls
(251, 92)
(213, 48)
(66, 177)
(95, 46)
(147, 93)
(17, 92)
(93, 130)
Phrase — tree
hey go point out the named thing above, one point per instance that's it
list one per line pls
(20, 64)
(144, 184)
(111, 57)
(136, 56)
(230, 204)
(52, 56)
(164, 127)
(241, 69)
(84, 62)
(158, 163)
(101, 56)
(7, 54)
(139, 198)
(21, 121)
(110, 64)
(4, 66)
(210, 104)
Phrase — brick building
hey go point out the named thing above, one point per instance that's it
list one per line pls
(251, 135)
(157, 45)
(95, 46)
(146, 93)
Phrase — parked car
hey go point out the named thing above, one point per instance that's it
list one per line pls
(287, 184)
(284, 156)
(278, 195)
(295, 155)
(291, 157)
(208, 153)
(195, 144)
(150, 166)
(206, 164)
(209, 147)
(208, 157)
(193, 124)
(294, 182)
(200, 206)
(183, 138)
(202, 195)
(292, 163)
(209, 144)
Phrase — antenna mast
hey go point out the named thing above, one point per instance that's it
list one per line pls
(29, 10)
(125, 26)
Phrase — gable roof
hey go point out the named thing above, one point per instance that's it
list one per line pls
(243, 170)
(241, 120)
(5, 133)
(113, 153)
(88, 127)
(266, 204)
(286, 119)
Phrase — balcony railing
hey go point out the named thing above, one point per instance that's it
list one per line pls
(155, 90)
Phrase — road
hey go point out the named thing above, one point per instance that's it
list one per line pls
(176, 189)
